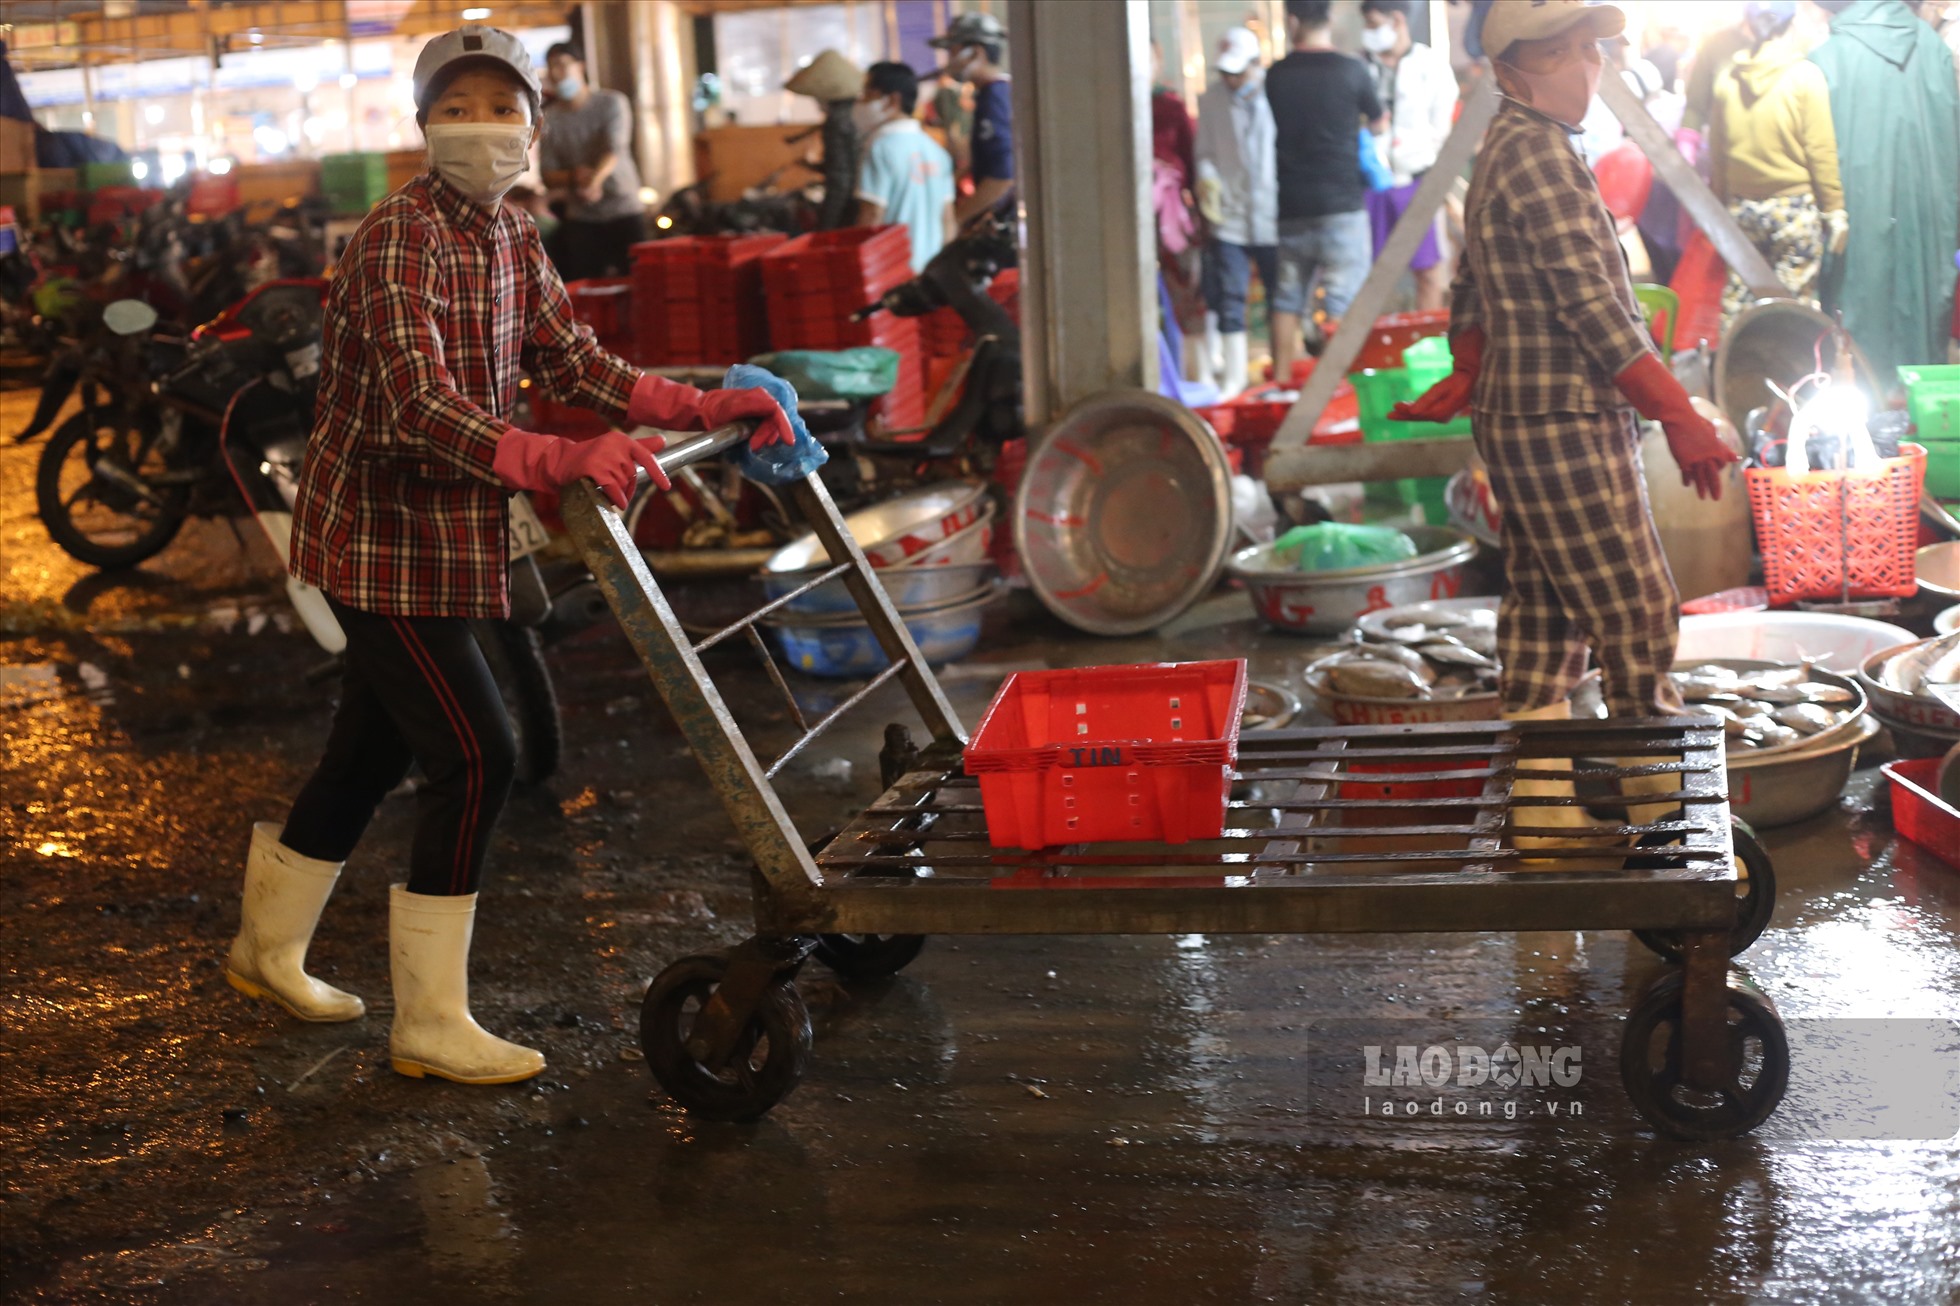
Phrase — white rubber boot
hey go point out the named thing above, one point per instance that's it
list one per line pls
(1233, 378)
(434, 1033)
(1571, 817)
(284, 893)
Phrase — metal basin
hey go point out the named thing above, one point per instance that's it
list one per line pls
(895, 530)
(969, 544)
(1921, 713)
(1789, 787)
(1938, 569)
(1848, 728)
(909, 588)
(845, 648)
(1356, 710)
(1124, 514)
(1328, 602)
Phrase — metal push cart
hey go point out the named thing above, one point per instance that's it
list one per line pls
(1314, 843)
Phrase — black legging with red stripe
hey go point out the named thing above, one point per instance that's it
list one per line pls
(416, 689)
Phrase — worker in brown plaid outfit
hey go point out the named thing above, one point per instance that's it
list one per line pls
(1551, 357)
(444, 293)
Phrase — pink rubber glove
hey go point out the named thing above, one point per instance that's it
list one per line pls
(1691, 438)
(659, 402)
(529, 461)
(1451, 395)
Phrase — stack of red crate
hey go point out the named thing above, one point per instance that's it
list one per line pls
(815, 282)
(606, 305)
(698, 299)
(115, 203)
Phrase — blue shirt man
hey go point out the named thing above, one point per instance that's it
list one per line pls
(975, 44)
(905, 176)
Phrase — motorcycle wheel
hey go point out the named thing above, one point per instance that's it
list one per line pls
(516, 658)
(98, 521)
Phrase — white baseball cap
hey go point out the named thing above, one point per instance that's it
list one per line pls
(1511, 21)
(472, 41)
(1238, 50)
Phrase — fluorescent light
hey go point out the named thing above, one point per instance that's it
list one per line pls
(347, 81)
(139, 170)
(475, 15)
(153, 114)
(218, 167)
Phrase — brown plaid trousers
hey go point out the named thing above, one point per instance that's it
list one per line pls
(1543, 275)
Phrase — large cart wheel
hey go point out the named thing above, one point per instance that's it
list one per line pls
(1651, 1064)
(1755, 893)
(768, 1059)
(868, 956)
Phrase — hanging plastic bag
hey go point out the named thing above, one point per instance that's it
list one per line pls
(1338, 546)
(776, 464)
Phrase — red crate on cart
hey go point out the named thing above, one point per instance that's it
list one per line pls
(1918, 813)
(1811, 527)
(1109, 754)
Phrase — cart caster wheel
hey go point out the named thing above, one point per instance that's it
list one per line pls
(1651, 1064)
(1755, 896)
(868, 956)
(768, 1060)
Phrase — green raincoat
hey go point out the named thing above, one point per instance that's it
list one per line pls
(1897, 109)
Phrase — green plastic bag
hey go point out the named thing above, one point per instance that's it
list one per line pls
(862, 373)
(1337, 546)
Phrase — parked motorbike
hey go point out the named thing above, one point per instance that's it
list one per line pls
(231, 407)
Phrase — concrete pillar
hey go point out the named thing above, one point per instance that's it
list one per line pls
(1082, 161)
(663, 81)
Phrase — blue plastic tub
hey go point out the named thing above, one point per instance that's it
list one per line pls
(845, 649)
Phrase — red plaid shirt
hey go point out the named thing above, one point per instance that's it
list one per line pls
(436, 306)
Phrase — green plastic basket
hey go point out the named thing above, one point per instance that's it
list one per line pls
(1428, 361)
(1933, 399)
(1942, 468)
(1375, 392)
(94, 176)
(354, 183)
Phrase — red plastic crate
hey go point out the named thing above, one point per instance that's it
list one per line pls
(1392, 334)
(852, 262)
(1109, 754)
(606, 305)
(114, 203)
(1801, 530)
(1917, 811)
(212, 197)
(549, 417)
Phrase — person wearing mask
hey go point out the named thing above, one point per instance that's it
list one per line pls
(441, 299)
(1320, 98)
(1238, 193)
(587, 160)
(1773, 156)
(1418, 89)
(836, 84)
(906, 177)
(975, 44)
(1551, 358)
(1896, 106)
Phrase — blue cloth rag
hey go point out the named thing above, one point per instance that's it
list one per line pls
(778, 464)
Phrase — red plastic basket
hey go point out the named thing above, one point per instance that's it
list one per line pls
(1917, 811)
(1805, 538)
(1109, 754)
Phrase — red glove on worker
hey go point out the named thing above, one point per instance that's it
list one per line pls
(529, 461)
(1451, 395)
(1691, 438)
(676, 407)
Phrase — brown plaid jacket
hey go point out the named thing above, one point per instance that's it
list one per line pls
(1543, 275)
(435, 307)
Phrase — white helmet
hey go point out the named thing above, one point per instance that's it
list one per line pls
(472, 41)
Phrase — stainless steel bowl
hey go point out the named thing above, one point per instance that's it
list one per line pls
(1124, 514)
(1328, 602)
(1938, 569)
(895, 530)
(1843, 730)
(969, 544)
(1789, 787)
(1922, 713)
(909, 587)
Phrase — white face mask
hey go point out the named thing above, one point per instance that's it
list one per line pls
(1378, 40)
(869, 115)
(481, 159)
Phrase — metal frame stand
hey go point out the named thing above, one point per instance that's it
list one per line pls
(1312, 846)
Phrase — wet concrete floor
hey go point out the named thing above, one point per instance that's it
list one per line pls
(1139, 1119)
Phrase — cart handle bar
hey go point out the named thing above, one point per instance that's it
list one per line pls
(685, 448)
